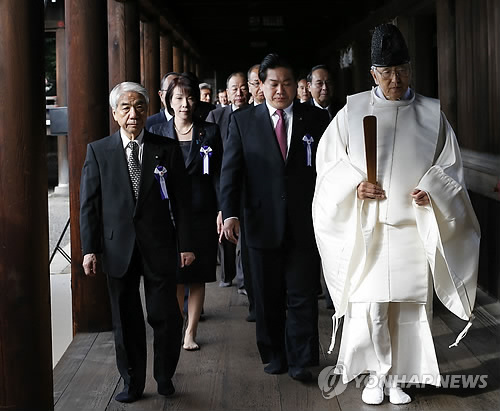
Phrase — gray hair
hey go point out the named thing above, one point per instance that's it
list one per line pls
(205, 86)
(126, 87)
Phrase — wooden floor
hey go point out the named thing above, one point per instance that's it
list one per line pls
(226, 374)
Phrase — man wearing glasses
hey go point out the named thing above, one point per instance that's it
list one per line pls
(320, 86)
(254, 85)
(163, 116)
(384, 245)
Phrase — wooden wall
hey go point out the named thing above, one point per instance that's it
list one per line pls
(478, 74)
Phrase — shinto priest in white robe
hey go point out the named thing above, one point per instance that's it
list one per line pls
(393, 251)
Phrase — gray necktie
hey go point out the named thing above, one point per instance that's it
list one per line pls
(134, 168)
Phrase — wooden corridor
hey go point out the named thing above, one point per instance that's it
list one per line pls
(226, 374)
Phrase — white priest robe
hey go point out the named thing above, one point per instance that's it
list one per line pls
(392, 250)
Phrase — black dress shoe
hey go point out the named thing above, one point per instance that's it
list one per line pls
(166, 389)
(128, 396)
(276, 367)
(251, 318)
(300, 374)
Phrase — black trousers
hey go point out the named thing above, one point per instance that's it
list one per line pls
(285, 285)
(129, 329)
(227, 260)
(247, 272)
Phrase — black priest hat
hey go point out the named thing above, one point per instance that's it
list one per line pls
(388, 47)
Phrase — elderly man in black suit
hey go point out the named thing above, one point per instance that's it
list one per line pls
(163, 116)
(237, 92)
(270, 155)
(130, 182)
(320, 85)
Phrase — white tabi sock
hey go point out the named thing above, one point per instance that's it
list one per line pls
(373, 393)
(397, 395)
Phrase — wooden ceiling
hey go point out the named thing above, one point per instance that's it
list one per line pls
(232, 35)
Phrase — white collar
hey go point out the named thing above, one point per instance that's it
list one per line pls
(380, 94)
(125, 140)
(288, 111)
(318, 105)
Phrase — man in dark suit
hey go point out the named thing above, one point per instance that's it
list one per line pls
(163, 116)
(270, 155)
(237, 92)
(320, 85)
(130, 181)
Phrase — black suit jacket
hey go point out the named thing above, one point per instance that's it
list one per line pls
(112, 222)
(158, 118)
(333, 108)
(277, 194)
(221, 116)
(202, 110)
(204, 187)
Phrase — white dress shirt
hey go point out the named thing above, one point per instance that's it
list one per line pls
(139, 140)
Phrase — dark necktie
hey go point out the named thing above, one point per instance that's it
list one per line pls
(280, 131)
(134, 168)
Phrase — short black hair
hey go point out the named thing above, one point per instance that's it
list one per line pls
(185, 83)
(236, 73)
(318, 67)
(272, 61)
(252, 68)
(164, 78)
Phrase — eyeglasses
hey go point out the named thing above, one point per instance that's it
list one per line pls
(320, 83)
(387, 73)
(235, 89)
(254, 83)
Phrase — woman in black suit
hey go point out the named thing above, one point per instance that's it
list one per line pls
(201, 145)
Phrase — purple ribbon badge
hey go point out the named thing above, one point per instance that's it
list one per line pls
(206, 153)
(308, 141)
(160, 171)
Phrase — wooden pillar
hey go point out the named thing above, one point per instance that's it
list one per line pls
(447, 58)
(62, 141)
(187, 63)
(25, 325)
(166, 54)
(193, 64)
(123, 45)
(178, 58)
(87, 121)
(151, 62)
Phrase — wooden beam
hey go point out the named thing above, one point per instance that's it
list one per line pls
(166, 18)
(25, 324)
